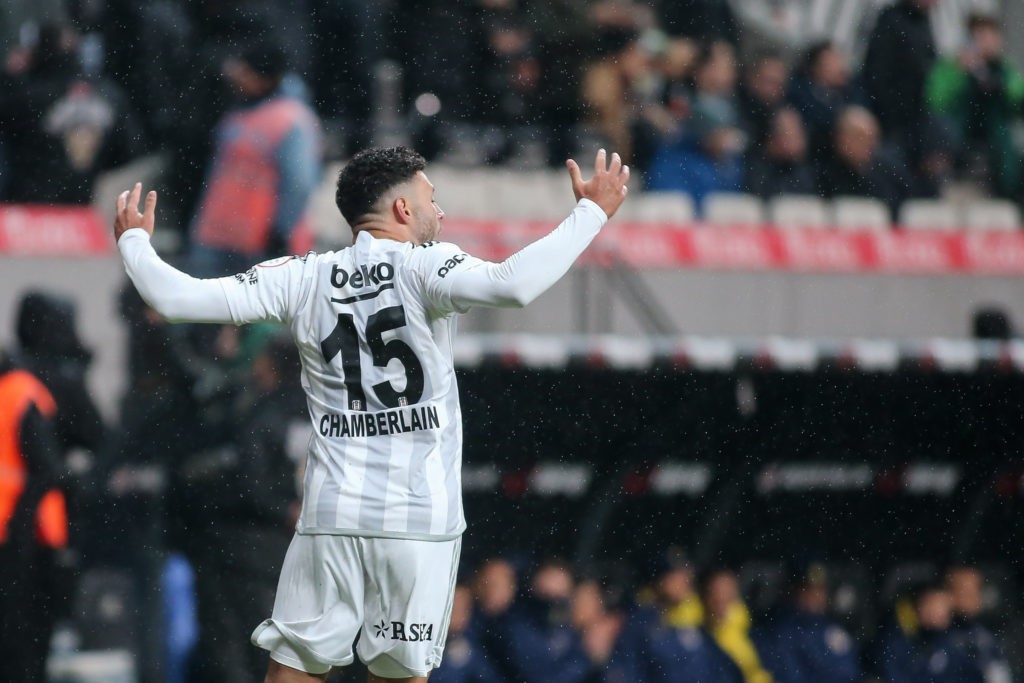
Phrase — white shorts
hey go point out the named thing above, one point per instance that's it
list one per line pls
(396, 594)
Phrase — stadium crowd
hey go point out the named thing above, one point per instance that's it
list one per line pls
(672, 85)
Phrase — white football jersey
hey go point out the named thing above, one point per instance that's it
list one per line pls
(373, 324)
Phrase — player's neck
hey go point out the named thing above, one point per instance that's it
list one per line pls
(383, 230)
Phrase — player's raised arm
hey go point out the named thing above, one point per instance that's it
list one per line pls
(522, 277)
(181, 297)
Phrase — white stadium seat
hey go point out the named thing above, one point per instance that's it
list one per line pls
(726, 208)
(929, 214)
(992, 214)
(798, 211)
(658, 207)
(860, 213)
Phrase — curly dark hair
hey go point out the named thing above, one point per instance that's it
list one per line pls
(370, 174)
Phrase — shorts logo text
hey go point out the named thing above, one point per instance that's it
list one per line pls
(409, 633)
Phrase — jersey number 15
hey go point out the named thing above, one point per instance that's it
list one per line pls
(344, 339)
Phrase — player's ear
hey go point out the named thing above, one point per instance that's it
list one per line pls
(402, 210)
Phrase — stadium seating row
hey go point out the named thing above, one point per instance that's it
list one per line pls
(544, 194)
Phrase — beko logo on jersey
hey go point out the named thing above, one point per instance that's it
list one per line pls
(451, 263)
(372, 275)
(379, 275)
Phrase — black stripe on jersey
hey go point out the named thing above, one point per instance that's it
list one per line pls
(363, 297)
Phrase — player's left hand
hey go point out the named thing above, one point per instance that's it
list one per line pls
(127, 215)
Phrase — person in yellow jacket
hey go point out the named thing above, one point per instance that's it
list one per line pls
(33, 522)
(727, 618)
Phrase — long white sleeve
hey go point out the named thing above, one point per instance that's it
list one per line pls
(525, 275)
(171, 293)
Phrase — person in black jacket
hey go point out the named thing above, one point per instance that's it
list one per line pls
(901, 53)
(780, 166)
(49, 346)
(858, 166)
(33, 528)
(236, 537)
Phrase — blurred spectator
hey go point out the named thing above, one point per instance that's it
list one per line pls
(920, 647)
(33, 525)
(761, 94)
(708, 160)
(464, 660)
(932, 164)
(159, 424)
(509, 93)
(801, 644)
(982, 95)
(970, 637)
(144, 48)
(610, 91)
(663, 641)
(350, 40)
(701, 20)
(237, 538)
(707, 157)
(728, 620)
(858, 167)
(901, 53)
(265, 167)
(821, 88)
(598, 626)
(781, 166)
(532, 639)
(49, 347)
(61, 127)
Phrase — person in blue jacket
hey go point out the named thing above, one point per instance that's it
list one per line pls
(920, 647)
(657, 646)
(705, 159)
(801, 644)
(464, 659)
(530, 637)
(969, 633)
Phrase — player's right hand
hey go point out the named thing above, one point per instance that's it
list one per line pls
(607, 188)
(127, 214)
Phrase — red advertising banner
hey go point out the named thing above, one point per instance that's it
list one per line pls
(30, 230)
(765, 248)
(34, 230)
